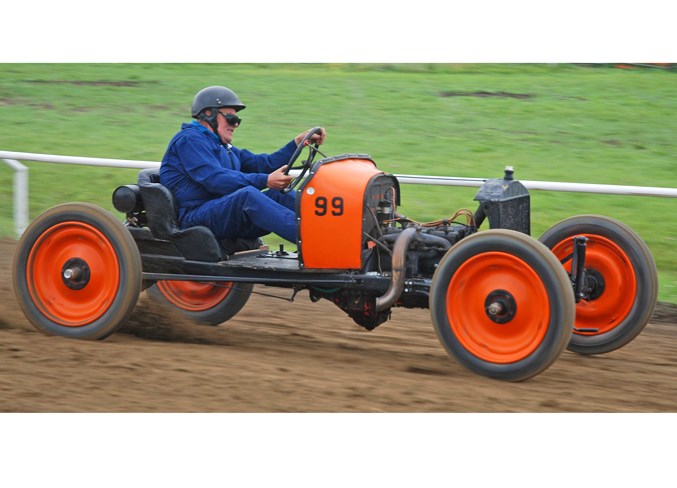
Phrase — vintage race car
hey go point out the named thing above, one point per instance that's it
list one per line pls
(503, 304)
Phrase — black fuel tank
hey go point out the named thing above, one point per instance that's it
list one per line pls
(505, 202)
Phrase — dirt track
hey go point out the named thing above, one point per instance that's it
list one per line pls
(277, 356)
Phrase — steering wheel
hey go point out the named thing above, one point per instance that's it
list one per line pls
(305, 165)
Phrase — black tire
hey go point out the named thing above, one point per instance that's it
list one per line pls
(100, 256)
(622, 263)
(536, 304)
(203, 302)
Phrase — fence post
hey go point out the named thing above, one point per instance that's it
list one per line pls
(20, 180)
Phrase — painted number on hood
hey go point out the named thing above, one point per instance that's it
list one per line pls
(323, 206)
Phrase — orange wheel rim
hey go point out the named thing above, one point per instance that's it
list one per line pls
(476, 280)
(194, 296)
(607, 311)
(52, 294)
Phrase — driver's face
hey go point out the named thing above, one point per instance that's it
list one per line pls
(224, 129)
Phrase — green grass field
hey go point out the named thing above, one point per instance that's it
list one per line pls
(593, 124)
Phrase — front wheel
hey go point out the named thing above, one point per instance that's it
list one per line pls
(621, 274)
(202, 302)
(77, 272)
(502, 305)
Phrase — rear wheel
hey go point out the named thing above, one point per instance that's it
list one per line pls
(502, 305)
(203, 302)
(77, 272)
(623, 277)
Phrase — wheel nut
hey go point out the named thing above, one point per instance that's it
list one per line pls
(71, 274)
(495, 308)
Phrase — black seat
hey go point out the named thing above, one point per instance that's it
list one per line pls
(196, 243)
(150, 175)
(159, 204)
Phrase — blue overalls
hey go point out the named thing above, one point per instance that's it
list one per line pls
(220, 187)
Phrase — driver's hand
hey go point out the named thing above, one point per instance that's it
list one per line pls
(277, 180)
(316, 139)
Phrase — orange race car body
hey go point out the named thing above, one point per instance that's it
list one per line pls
(339, 206)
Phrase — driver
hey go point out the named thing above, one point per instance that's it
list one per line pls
(218, 185)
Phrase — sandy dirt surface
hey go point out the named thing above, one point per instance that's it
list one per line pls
(277, 356)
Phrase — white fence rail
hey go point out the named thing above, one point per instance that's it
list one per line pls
(21, 180)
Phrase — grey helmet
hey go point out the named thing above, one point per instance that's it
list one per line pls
(215, 97)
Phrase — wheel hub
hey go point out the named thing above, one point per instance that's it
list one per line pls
(500, 306)
(595, 283)
(75, 273)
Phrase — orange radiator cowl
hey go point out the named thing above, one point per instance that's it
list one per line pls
(332, 211)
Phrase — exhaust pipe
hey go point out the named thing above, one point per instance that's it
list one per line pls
(394, 291)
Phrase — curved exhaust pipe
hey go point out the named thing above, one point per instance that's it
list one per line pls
(394, 291)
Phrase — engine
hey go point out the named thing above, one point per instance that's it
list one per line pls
(348, 220)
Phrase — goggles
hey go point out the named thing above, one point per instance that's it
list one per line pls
(232, 119)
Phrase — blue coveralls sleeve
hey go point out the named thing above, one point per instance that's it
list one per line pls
(203, 166)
